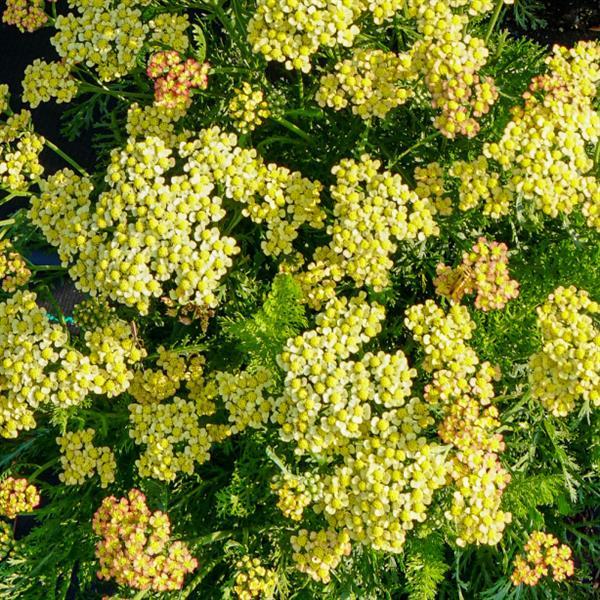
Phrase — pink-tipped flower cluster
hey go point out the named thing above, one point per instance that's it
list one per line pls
(17, 496)
(484, 270)
(174, 78)
(26, 15)
(135, 549)
(542, 551)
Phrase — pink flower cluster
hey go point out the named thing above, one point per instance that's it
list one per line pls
(174, 78)
(27, 15)
(484, 270)
(135, 549)
(17, 496)
(543, 551)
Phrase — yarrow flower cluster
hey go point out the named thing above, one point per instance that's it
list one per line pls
(449, 60)
(294, 494)
(430, 184)
(108, 36)
(371, 81)
(145, 229)
(80, 459)
(156, 121)
(37, 366)
(292, 31)
(135, 547)
(14, 272)
(20, 149)
(373, 209)
(248, 108)
(17, 496)
(244, 396)
(542, 552)
(45, 80)
(485, 270)
(282, 199)
(175, 78)
(357, 415)
(175, 434)
(567, 367)
(461, 387)
(317, 553)
(26, 15)
(542, 153)
(252, 580)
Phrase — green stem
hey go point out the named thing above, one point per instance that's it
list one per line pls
(197, 580)
(41, 469)
(66, 158)
(121, 95)
(492, 25)
(295, 129)
(597, 157)
(426, 139)
(301, 88)
(7, 222)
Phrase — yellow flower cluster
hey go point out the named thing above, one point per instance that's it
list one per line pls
(169, 30)
(135, 547)
(172, 433)
(37, 366)
(244, 396)
(108, 36)
(293, 30)
(248, 108)
(371, 81)
(317, 553)
(44, 80)
(485, 270)
(477, 184)
(93, 312)
(462, 388)
(80, 459)
(20, 148)
(27, 15)
(294, 494)
(143, 231)
(372, 210)
(568, 366)
(542, 153)
(429, 182)
(542, 551)
(4, 97)
(17, 496)
(449, 59)
(274, 195)
(155, 121)
(252, 580)
(357, 414)
(14, 272)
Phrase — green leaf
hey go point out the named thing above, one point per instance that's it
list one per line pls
(199, 42)
(425, 566)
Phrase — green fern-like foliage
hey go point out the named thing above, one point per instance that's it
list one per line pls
(261, 337)
(425, 566)
(525, 495)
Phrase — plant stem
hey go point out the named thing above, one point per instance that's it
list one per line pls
(492, 25)
(295, 129)
(121, 95)
(7, 222)
(204, 571)
(66, 158)
(300, 88)
(41, 469)
(431, 136)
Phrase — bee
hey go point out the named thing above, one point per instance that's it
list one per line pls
(453, 284)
